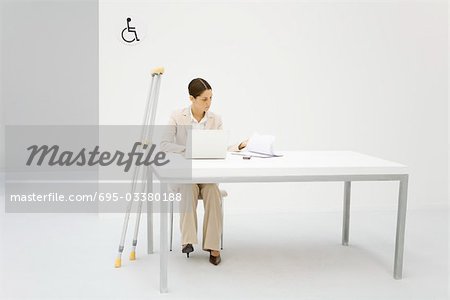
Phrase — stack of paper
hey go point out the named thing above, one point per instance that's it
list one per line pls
(259, 146)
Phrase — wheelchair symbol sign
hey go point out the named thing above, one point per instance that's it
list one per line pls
(129, 33)
(132, 33)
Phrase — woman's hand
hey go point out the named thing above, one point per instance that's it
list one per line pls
(243, 144)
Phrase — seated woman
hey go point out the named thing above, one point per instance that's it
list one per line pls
(199, 117)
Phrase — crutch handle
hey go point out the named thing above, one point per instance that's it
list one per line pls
(158, 70)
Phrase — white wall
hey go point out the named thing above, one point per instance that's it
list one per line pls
(362, 76)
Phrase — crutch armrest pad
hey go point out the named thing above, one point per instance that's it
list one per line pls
(158, 70)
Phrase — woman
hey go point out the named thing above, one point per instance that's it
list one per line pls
(199, 117)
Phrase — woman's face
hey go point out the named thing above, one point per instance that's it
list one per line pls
(202, 102)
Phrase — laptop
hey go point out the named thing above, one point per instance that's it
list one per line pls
(206, 144)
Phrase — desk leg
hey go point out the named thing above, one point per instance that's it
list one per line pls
(400, 235)
(163, 255)
(346, 216)
(149, 214)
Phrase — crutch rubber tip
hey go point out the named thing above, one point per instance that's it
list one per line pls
(117, 263)
(133, 255)
(158, 70)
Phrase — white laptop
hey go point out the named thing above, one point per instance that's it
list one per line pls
(204, 143)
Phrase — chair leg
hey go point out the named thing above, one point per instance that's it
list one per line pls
(171, 225)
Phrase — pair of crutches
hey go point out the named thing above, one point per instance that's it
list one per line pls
(146, 137)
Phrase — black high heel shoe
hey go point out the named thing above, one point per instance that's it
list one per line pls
(215, 260)
(188, 248)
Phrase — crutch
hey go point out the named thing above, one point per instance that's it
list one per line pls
(149, 137)
(146, 133)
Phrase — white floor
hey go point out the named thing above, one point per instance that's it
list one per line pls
(270, 256)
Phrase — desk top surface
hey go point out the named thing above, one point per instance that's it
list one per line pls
(292, 163)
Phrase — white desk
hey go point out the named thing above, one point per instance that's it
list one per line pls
(294, 166)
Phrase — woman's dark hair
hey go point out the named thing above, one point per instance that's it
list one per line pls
(198, 86)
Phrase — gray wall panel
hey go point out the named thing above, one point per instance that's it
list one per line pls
(49, 63)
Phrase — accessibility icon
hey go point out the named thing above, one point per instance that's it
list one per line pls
(129, 34)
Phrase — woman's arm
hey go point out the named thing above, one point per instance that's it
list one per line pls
(168, 138)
